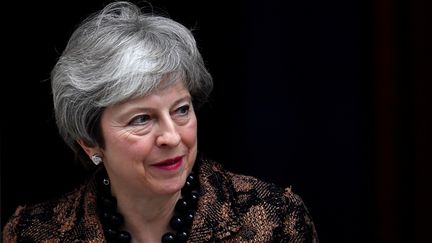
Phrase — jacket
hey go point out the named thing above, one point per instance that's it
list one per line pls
(231, 208)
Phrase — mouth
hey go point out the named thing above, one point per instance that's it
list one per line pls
(169, 164)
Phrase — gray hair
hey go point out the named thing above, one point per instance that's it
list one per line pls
(117, 54)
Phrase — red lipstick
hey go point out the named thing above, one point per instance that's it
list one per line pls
(170, 164)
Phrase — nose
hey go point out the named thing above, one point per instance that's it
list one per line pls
(168, 134)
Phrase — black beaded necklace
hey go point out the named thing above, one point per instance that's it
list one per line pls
(181, 221)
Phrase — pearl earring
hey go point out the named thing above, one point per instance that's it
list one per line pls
(96, 159)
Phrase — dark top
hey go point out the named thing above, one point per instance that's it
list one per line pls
(231, 208)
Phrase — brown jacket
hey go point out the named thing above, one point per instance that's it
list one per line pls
(231, 208)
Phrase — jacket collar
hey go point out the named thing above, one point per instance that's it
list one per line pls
(217, 216)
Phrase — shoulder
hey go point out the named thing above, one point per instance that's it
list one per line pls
(247, 190)
(31, 222)
(266, 203)
(264, 211)
(297, 220)
(51, 220)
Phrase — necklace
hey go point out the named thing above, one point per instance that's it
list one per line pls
(181, 222)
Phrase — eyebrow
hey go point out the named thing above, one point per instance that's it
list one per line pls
(124, 113)
(187, 98)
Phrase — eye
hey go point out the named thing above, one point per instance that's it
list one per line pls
(183, 110)
(140, 120)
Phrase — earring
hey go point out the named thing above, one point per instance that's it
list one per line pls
(96, 159)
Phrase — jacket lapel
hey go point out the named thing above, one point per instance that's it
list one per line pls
(217, 216)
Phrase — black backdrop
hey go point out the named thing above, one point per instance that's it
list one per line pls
(294, 103)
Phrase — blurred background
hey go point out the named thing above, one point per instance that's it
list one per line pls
(330, 97)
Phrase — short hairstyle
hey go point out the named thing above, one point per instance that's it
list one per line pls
(117, 54)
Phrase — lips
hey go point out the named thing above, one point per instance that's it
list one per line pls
(170, 164)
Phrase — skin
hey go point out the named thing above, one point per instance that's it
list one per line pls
(138, 134)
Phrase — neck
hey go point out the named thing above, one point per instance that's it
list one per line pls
(147, 219)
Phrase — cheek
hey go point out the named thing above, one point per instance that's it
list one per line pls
(121, 147)
(189, 134)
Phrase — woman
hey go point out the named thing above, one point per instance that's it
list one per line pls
(125, 91)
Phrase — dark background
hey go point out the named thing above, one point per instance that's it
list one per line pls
(329, 97)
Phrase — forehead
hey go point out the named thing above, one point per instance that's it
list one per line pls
(163, 94)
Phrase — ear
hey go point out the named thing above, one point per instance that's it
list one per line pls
(89, 150)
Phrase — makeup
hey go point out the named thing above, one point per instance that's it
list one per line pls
(170, 164)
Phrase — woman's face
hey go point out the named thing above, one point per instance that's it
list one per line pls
(150, 142)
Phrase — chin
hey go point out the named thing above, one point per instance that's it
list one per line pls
(176, 183)
(173, 186)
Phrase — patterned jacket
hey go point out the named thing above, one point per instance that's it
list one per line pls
(231, 208)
